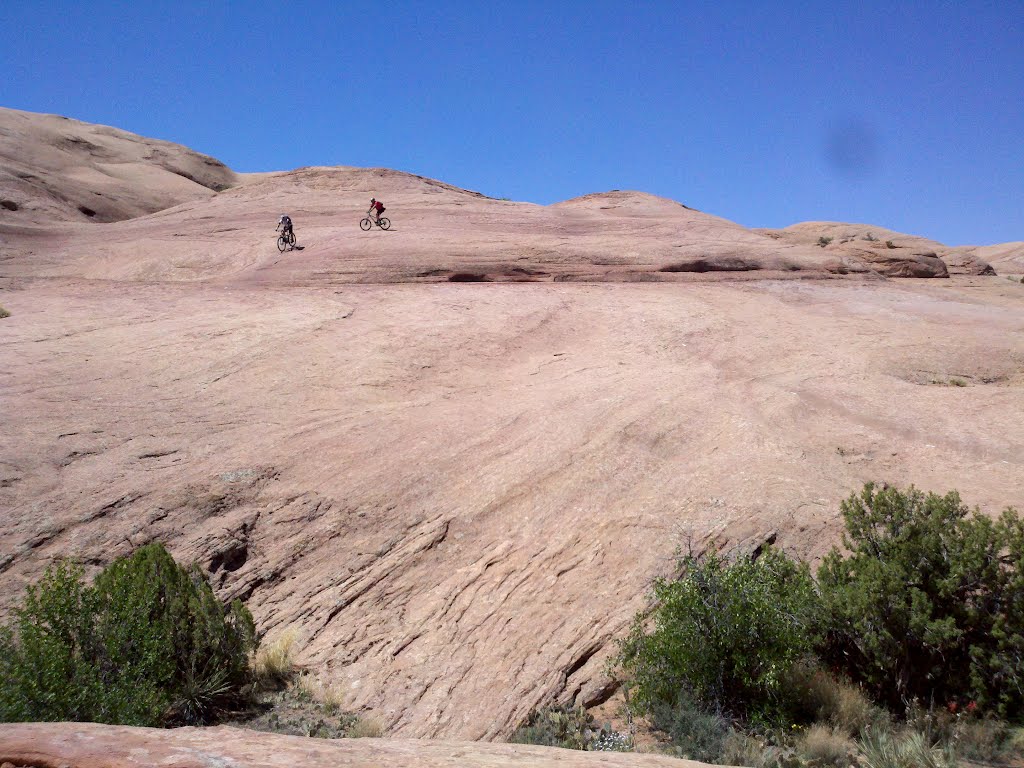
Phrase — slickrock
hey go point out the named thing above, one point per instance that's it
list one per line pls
(87, 745)
(54, 169)
(890, 253)
(452, 456)
(1007, 258)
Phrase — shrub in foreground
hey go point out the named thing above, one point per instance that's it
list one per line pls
(928, 605)
(147, 644)
(725, 633)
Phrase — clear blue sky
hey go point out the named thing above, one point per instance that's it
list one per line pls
(908, 115)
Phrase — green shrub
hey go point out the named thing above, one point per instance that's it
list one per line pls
(694, 733)
(823, 241)
(147, 644)
(725, 633)
(4, 313)
(929, 603)
(569, 728)
(564, 727)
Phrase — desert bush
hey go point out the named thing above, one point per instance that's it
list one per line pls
(4, 313)
(565, 727)
(870, 238)
(739, 748)
(890, 244)
(147, 644)
(983, 739)
(569, 728)
(929, 603)
(822, 746)
(694, 733)
(817, 696)
(823, 241)
(725, 633)
(909, 749)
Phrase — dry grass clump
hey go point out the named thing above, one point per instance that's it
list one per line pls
(4, 313)
(830, 700)
(365, 728)
(825, 746)
(309, 688)
(275, 661)
(740, 748)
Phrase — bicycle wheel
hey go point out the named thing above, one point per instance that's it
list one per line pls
(291, 240)
(385, 222)
(365, 224)
(281, 243)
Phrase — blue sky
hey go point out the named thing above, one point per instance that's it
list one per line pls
(908, 115)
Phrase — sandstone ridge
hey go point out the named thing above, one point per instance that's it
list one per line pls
(452, 457)
(54, 169)
(85, 745)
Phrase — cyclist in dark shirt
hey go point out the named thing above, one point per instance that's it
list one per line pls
(285, 225)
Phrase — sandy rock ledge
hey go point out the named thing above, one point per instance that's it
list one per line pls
(88, 745)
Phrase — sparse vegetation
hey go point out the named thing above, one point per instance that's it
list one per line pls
(823, 746)
(147, 643)
(926, 604)
(907, 749)
(569, 728)
(823, 241)
(870, 238)
(4, 313)
(889, 244)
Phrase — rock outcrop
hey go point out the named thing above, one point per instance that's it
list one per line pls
(890, 253)
(54, 169)
(86, 745)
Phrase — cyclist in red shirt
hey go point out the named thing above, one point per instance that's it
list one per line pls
(376, 208)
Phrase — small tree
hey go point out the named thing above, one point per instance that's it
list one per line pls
(724, 633)
(929, 603)
(147, 644)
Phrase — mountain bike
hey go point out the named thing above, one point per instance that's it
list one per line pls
(286, 242)
(367, 223)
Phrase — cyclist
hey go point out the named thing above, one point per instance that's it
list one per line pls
(376, 208)
(285, 225)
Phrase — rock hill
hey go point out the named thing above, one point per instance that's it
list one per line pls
(457, 491)
(54, 169)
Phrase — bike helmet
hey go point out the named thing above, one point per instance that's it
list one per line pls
(373, 199)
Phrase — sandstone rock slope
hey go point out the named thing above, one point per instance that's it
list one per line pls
(891, 253)
(53, 168)
(452, 456)
(86, 745)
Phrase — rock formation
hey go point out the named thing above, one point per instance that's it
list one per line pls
(452, 456)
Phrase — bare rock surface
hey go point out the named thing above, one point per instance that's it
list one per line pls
(54, 169)
(458, 489)
(1006, 258)
(458, 494)
(86, 745)
(891, 253)
(439, 233)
